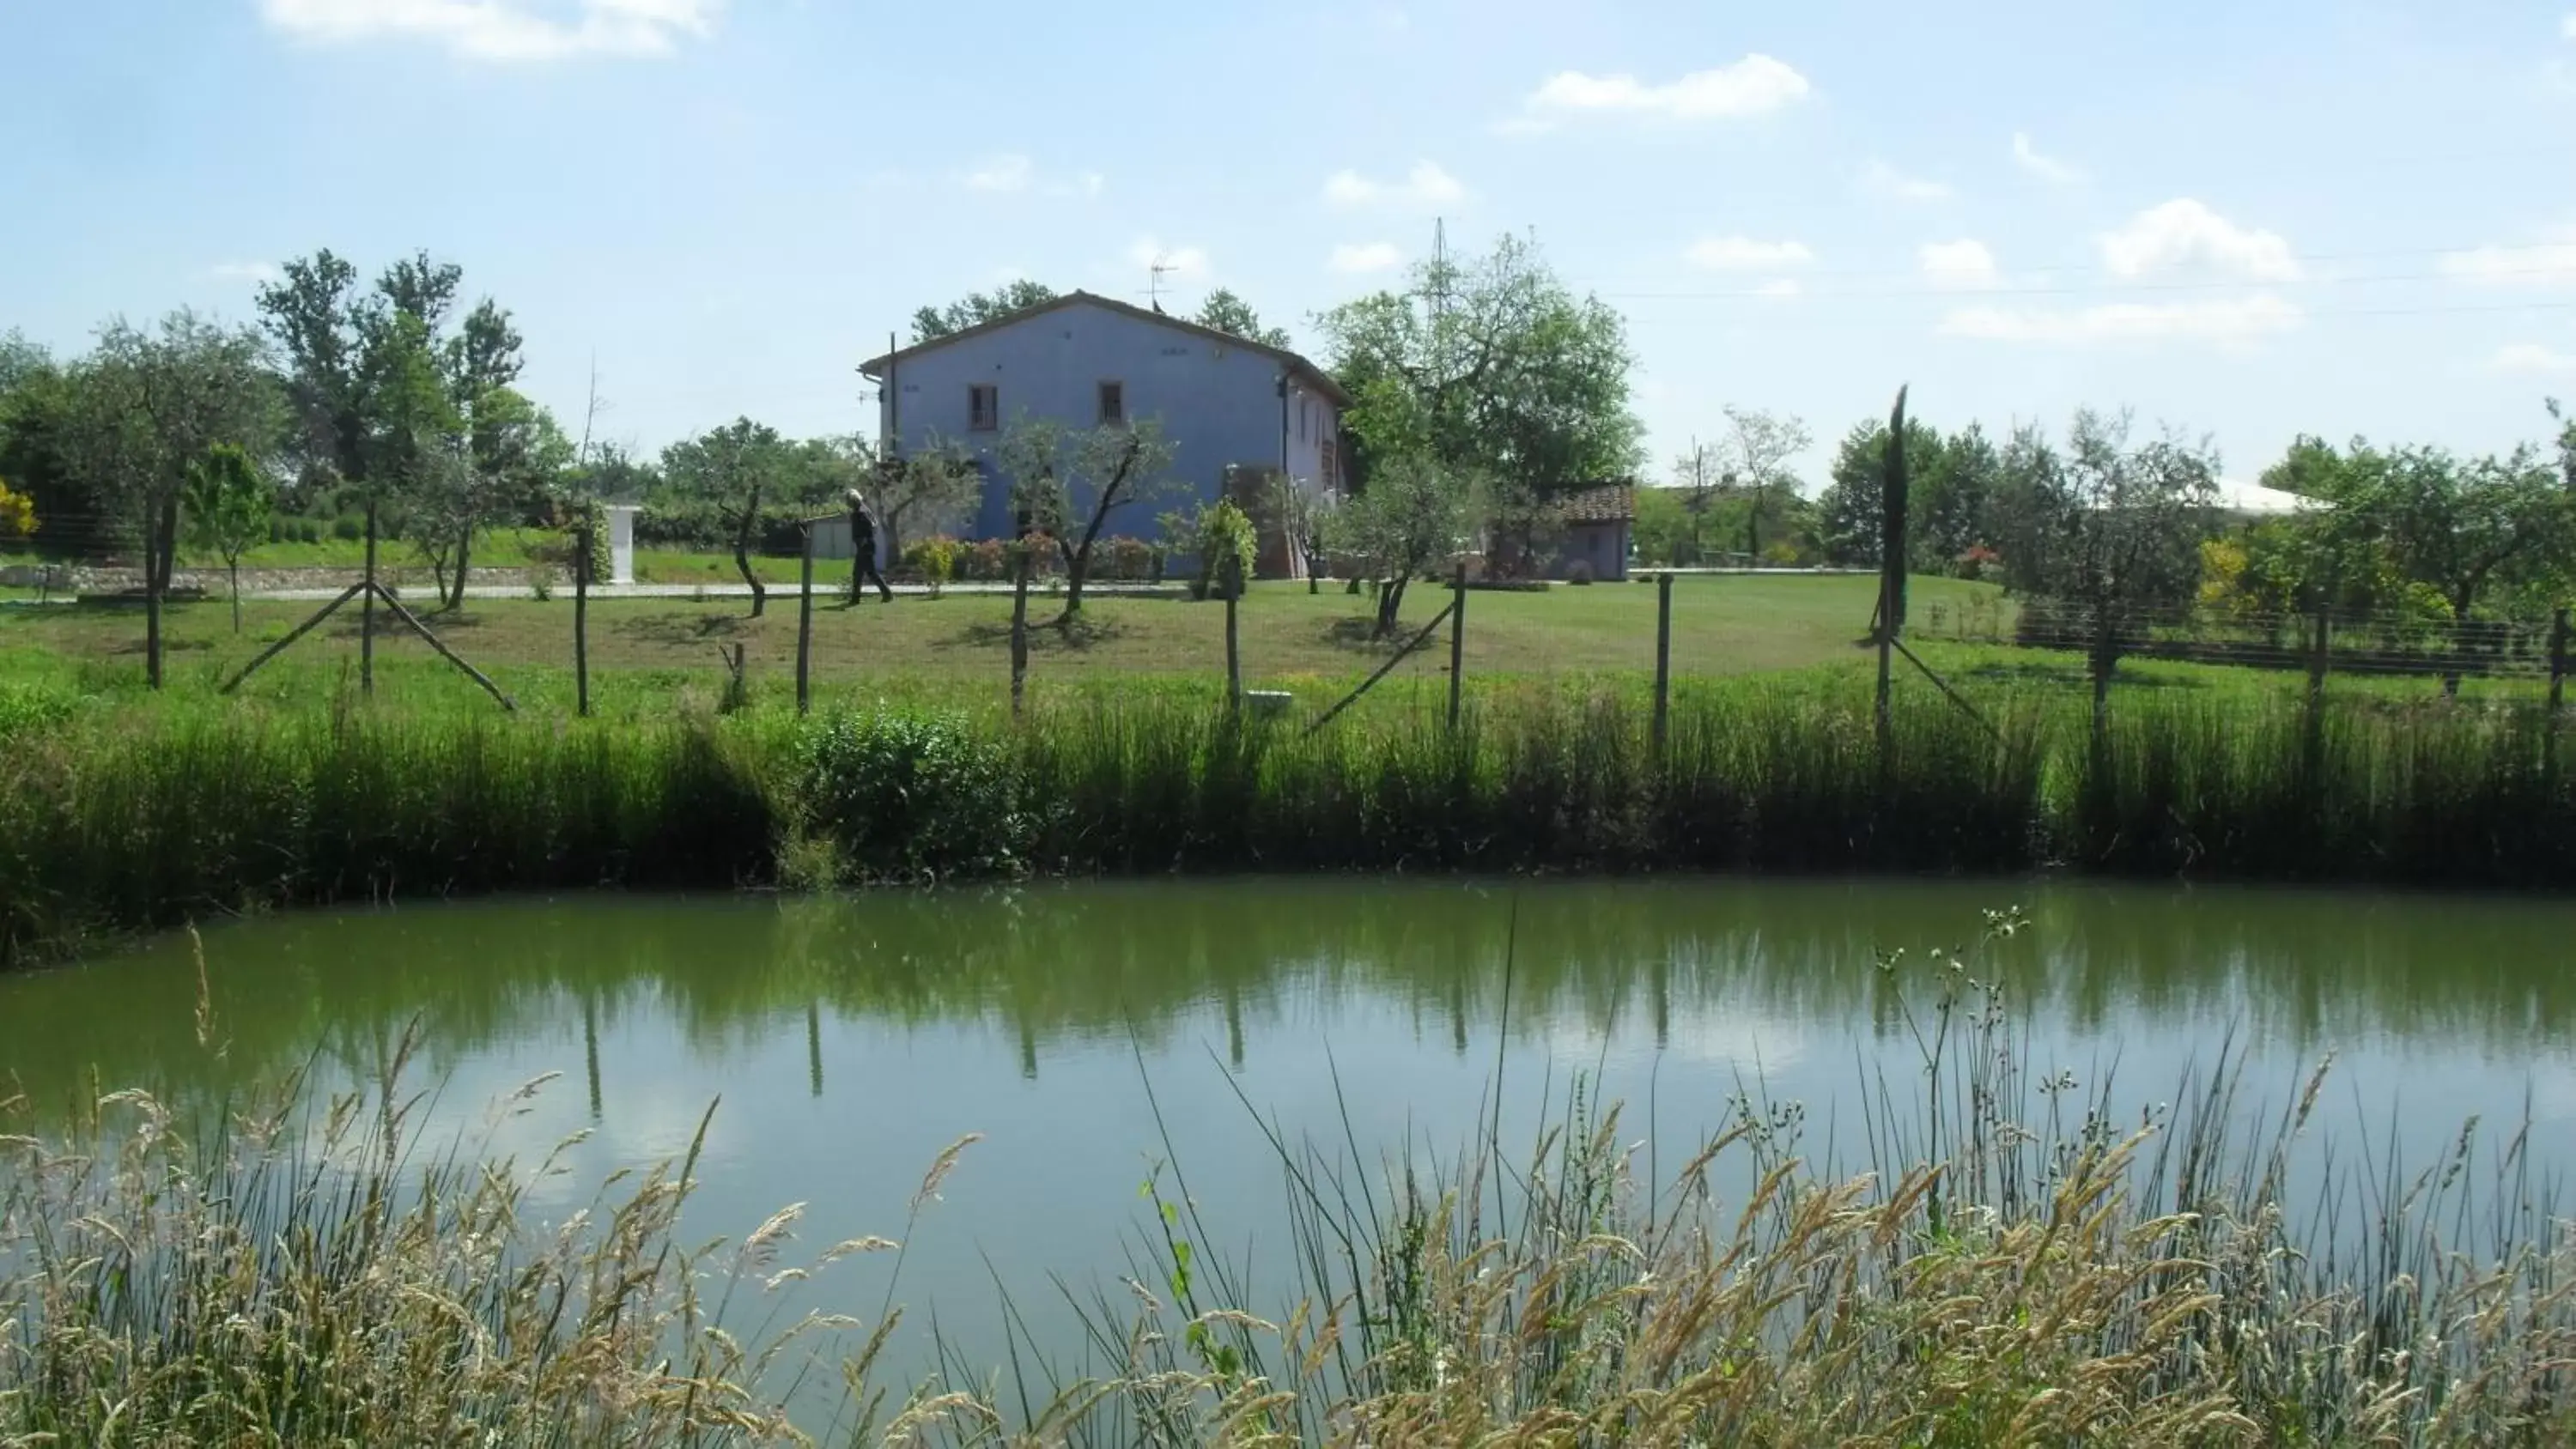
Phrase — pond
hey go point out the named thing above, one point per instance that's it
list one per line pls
(1092, 1031)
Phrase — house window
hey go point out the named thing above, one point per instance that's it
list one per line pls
(1326, 464)
(1113, 404)
(983, 406)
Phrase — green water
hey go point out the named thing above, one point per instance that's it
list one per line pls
(850, 1041)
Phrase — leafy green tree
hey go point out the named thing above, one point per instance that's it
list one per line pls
(35, 431)
(2110, 527)
(926, 492)
(1226, 312)
(1413, 515)
(733, 467)
(152, 403)
(1758, 449)
(229, 502)
(977, 308)
(1494, 371)
(1068, 482)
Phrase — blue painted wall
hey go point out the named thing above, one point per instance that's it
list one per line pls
(1218, 403)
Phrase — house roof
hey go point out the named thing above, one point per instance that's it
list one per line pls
(1600, 503)
(1313, 375)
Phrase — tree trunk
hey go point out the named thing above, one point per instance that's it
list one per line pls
(152, 598)
(233, 566)
(1077, 567)
(742, 553)
(160, 549)
(464, 556)
(1390, 599)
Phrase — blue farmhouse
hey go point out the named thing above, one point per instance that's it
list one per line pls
(1239, 414)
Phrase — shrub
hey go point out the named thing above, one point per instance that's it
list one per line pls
(1130, 559)
(349, 526)
(987, 560)
(912, 797)
(1578, 572)
(934, 560)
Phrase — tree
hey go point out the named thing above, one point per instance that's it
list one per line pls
(35, 431)
(2108, 527)
(315, 313)
(1226, 312)
(732, 467)
(1698, 477)
(929, 490)
(229, 502)
(1495, 372)
(1412, 516)
(154, 403)
(1067, 483)
(1756, 454)
(1305, 520)
(977, 308)
(1950, 503)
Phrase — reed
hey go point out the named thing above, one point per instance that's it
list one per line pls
(131, 820)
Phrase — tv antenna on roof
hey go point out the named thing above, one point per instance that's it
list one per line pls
(1157, 270)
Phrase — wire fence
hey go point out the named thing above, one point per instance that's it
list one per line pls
(2330, 642)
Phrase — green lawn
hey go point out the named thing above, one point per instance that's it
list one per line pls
(646, 653)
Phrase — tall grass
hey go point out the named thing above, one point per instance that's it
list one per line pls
(2024, 1261)
(112, 823)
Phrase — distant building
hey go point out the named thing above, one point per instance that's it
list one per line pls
(1597, 525)
(1238, 414)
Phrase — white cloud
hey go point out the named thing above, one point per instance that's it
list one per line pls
(2567, 27)
(1366, 257)
(1882, 180)
(1011, 174)
(1756, 85)
(2543, 264)
(1965, 263)
(2184, 234)
(1002, 173)
(1182, 262)
(1745, 254)
(2532, 357)
(501, 30)
(263, 273)
(2226, 322)
(1781, 288)
(2048, 169)
(1425, 185)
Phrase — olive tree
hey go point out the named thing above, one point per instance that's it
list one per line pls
(1068, 482)
(732, 468)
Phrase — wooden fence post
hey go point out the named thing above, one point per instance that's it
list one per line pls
(2557, 663)
(367, 612)
(1020, 631)
(1663, 661)
(805, 628)
(2319, 642)
(1457, 643)
(581, 566)
(1233, 646)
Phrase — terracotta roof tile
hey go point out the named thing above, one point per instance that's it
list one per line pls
(1606, 503)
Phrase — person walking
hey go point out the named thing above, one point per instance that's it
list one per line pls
(863, 550)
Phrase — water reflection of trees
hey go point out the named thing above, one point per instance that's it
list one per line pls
(1097, 961)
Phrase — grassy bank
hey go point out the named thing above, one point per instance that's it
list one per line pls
(2022, 1260)
(115, 819)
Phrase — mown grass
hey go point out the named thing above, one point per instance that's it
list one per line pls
(115, 819)
(2021, 1260)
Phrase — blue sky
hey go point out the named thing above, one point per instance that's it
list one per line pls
(2244, 220)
